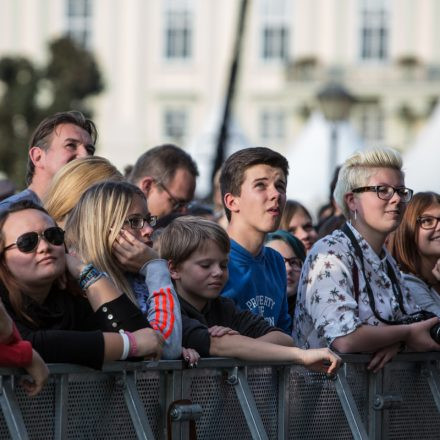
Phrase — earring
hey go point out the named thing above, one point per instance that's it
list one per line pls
(355, 214)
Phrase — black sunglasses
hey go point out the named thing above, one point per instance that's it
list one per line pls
(28, 242)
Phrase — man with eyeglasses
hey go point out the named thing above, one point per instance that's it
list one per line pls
(167, 176)
(57, 140)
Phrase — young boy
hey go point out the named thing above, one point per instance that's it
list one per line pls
(197, 253)
(253, 184)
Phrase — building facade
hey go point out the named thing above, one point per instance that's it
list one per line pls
(165, 64)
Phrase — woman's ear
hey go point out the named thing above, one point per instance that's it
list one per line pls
(174, 272)
(350, 201)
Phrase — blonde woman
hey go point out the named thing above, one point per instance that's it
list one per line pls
(111, 228)
(74, 179)
(352, 296)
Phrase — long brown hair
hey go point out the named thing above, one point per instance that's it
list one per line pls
(9, 281)
(403, 242)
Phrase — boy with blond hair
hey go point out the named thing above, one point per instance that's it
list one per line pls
(197, 253)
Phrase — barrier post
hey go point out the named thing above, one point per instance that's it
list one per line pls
(61, 405)
(237, 378)
(11, 410)
(136, 407)
(283, 402)
(349, 406)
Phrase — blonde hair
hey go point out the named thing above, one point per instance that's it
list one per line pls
(94, 223)
(359, 168)
(184, 235)
(73, 179)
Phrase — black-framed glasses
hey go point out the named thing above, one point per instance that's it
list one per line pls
(386, 192)
(294, 262)
(28, 242)
(177, 204)
(139, 222)
(428, 221)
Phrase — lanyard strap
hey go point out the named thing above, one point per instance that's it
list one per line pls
(394, 282)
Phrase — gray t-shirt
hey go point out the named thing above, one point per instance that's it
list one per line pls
(425, 296)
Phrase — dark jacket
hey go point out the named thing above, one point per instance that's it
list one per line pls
(219, 311)
(65, 328)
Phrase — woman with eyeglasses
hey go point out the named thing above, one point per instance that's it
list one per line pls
(352, 297)
(416, 247)
(293, 252)
(111, 228)
(60, 304)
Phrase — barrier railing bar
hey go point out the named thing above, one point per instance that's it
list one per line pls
(375, 381)
(11, 410)
(61, 393)
(283, 402)
(431, 374)
(136, 408)
(237, 378)
(349, 406)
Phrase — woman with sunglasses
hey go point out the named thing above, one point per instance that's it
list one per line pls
(64, 317)
(111, 228)
(416, 247)
(294, 254)
(352, 296)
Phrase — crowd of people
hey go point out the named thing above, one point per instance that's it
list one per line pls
(97, 266)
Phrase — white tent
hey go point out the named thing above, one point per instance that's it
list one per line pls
(203, 148)
(422, 162)
(309, 160)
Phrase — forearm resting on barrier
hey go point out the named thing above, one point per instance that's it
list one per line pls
(249, 349)
(369, 338)
(278, 338)
(149, 344)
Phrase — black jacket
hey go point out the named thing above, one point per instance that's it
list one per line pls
(219, 311)
(65, 328)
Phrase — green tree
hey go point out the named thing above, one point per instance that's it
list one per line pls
(29, 94)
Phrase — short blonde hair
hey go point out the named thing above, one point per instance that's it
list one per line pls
(94, 223)
(186, 234)
(73, 179)
(359, 168)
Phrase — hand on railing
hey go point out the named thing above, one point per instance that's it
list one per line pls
(382, 356)
(149, 343)
(191, 356)
(321, 360)
(39, 374)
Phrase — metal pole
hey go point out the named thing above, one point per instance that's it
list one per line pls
(223, 133)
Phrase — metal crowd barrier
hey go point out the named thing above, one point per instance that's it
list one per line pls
(227, 399)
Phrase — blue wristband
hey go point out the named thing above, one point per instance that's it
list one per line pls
(89, 275)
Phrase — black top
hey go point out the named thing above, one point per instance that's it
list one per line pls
(65, 328)
(219, 311)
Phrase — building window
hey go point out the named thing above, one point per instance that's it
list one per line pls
(374, 29)
(370, 118)
(275, 19)
(272, 125)
(79, 21)
(175, 124)
(178, 29)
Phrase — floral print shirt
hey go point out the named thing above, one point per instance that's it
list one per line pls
(326, 305)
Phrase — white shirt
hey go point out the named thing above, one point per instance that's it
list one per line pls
(326, 306)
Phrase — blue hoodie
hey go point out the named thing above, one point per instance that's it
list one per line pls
(259, 284)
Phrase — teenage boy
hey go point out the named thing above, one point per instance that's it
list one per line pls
(253, 184)
(197, 253)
